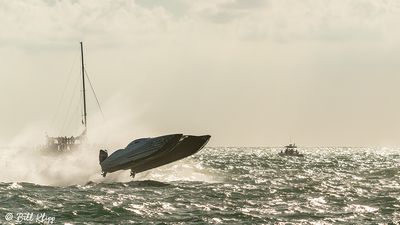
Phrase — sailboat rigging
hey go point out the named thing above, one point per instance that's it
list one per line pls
(64, 143)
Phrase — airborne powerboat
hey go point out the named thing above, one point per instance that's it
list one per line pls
(291, 150)
(148, 153)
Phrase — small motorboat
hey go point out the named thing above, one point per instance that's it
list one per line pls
(148, 153)
(290, 150)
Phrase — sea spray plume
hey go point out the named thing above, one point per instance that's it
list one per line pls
(25, 163)
(22, 161)
(28, 164)
(18, 161)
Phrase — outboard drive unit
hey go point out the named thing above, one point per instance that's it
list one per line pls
(103, 154)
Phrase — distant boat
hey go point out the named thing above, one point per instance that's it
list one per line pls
(61, 144)
(291, 150)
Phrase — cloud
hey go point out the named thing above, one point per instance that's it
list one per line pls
(32, 21)
(213, 66)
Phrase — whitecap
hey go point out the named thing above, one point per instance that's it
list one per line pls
(360, 208)
(14, 186)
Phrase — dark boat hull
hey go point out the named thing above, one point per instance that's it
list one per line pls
(187, 146)
(291, 155)
(145, 154)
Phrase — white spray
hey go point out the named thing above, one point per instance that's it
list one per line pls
(25, 163)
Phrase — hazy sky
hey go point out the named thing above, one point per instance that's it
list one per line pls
(248, 72)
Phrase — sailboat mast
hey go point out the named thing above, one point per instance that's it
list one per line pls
(84, 88)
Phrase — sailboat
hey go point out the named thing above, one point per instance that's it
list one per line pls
(61, 144)
(138, 156)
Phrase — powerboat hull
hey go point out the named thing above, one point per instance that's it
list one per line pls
(187, 146)
(148, 153)
(291, 155)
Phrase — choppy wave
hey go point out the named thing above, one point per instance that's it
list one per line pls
(227, 186)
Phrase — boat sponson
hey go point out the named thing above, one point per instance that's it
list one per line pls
(188, 146)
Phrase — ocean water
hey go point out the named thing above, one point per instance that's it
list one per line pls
(219, 186)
